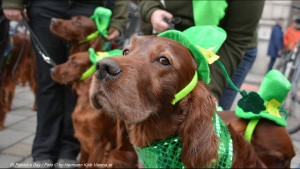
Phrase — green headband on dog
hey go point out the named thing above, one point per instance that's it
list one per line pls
(203, 42)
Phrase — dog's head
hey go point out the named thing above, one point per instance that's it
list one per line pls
(143, 81)
(75, 29)
(72, 69)
(139, 88)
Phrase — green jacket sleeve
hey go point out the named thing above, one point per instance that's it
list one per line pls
(119, 17)
(240, 23)
(147, 8)
(19, 4)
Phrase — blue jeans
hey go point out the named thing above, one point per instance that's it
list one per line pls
(271, 63)
(228, 96)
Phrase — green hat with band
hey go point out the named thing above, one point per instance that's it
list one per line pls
(203, 42)
(273, 90)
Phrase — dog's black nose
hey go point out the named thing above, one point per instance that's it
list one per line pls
(107, 68)
(53, 21)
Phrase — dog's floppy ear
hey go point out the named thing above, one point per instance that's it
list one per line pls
(200, 143)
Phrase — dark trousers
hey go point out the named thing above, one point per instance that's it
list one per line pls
(271, 63)
(55, 102)
(238, 78)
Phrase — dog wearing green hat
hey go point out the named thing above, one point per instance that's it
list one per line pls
(159, 89)
(265, 129)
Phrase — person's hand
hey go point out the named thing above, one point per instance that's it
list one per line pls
(13, 14)
(280, 52)
(113, 34)
(157, 20)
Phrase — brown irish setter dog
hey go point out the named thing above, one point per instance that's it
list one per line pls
(102, 139)
(74, 30)
(25, 72)
(139, 88)
(270, 141)
(106, 140)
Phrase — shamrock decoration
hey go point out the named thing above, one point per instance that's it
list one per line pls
(252, 102)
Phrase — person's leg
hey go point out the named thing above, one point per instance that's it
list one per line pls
(272, 61)
(238, 78)
(50, 95)
(68, 150)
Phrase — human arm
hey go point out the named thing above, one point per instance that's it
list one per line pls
(152, 11)
(119, 19)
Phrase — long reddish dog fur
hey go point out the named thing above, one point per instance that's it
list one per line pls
(139, 88)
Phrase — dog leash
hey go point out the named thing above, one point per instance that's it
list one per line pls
(38, 45)
(20, 54)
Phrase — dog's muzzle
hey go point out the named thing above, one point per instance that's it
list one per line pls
(107, 69)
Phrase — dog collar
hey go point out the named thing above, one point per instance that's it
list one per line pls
(89, 37)
(167, 153)
(186, 90)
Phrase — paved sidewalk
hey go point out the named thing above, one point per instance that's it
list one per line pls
(16, 140)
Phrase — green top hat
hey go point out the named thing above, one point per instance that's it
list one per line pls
(273, 90)
(203, 42)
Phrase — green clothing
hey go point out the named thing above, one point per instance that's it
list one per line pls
(240, 22)
(119, 12)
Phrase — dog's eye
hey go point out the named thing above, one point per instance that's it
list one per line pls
(163, 60)
(77, 22)
(280, 161)
(125, 52)
(73, 62)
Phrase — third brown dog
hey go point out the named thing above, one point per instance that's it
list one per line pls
(19, 68)
(270, 141)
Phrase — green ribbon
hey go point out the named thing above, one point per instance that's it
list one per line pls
(89, 37)
(186, 90)
(101, 17)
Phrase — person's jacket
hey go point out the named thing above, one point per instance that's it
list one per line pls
(291, 37)
(276, 41)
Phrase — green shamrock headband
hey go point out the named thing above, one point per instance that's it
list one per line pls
(204, 42)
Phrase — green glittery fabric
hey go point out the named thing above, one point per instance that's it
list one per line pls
(167, 153)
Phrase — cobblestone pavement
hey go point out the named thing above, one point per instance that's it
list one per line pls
(16, 139)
